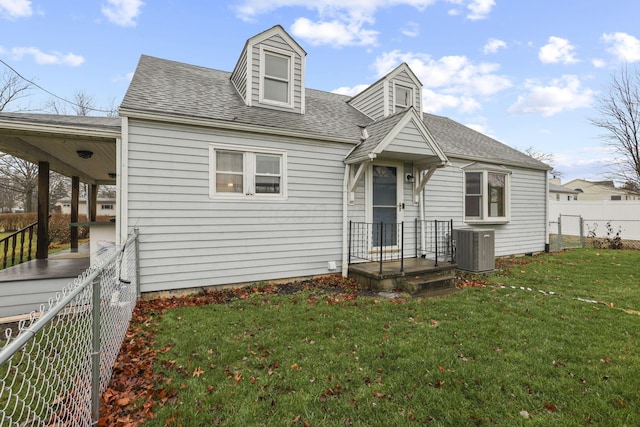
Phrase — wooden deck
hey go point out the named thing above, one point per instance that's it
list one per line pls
(420, 276)
(24, 287)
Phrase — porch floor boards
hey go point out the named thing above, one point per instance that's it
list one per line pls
(63, 264)
(392, 268)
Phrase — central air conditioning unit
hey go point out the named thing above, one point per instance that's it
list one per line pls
(475, 249)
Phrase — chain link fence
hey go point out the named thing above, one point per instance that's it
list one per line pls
(55, 365)
(574, 231)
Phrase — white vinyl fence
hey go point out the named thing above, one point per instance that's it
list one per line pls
(572, 221)
(622, 214)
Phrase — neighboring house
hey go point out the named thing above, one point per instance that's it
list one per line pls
(248, 175)
(600, 190)
(558, 193)
(104, 207)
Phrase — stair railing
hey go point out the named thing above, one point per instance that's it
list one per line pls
(10, 246)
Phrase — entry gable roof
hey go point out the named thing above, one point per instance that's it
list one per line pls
(381, 140)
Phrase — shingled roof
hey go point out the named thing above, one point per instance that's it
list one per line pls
(174, 89)
(177, 89)
(110, 124)
(457, 140)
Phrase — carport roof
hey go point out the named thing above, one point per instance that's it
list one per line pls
(57, 138)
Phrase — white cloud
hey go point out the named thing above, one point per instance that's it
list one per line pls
(334, 33)
(412, 29)
(13, 9)
(557, 50)
(123, 78)
(559, 95)
(453, 74)
(623, 46)
(451, 82)
(347, 22)
(122, 12)
(493, 45)
(479, 9)
(42, 58)
(598, 63)
(350, 91)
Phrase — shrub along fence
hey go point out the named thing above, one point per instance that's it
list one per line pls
(55, 369)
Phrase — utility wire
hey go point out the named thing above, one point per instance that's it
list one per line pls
(49, 92)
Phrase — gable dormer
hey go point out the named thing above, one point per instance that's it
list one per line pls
(270, 72)
(396, 91)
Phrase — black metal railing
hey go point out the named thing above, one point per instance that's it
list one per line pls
(435, 239)
(15, 244)
(376, 242)
(380, 242)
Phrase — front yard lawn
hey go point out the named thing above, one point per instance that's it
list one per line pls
(547, 340)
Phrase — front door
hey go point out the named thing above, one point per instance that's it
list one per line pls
(386, 204)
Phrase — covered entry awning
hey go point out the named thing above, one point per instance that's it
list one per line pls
(80, 147)
(402, 137)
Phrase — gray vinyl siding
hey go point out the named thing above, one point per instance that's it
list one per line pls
(239, 76)
(411, 213)
(188, 239)
(525, 232)
(409, 141)
(371, 101)
(279, 43)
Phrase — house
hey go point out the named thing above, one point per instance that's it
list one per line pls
(600, 190)
(248, 175)
(557, 192)
(104, 206)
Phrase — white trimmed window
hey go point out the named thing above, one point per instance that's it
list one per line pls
(240, 172)
(276, 75)
(403, 97)
(486, 197)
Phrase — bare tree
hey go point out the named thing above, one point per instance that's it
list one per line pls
(81, 105)
(12, 88)
(619, 117)
(541, 156)
(23, 176)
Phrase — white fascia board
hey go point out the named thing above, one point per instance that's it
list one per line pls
(60, 129)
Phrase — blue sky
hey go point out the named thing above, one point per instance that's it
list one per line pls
(526, 72)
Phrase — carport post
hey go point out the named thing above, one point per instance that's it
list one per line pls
(42, 250)
(75, 195)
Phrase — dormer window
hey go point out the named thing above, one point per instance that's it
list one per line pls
(403, 97)
(276, 71)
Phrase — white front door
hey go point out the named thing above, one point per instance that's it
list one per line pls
(386, 204)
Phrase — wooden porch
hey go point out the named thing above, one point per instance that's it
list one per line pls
(416, 276)
(24, 287)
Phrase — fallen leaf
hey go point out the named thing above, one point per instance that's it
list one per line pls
(550, 407)
(124, 401)
(198, 371)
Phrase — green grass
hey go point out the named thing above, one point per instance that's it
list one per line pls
(477, 357)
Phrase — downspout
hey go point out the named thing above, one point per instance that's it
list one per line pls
(546, 213)
(423, 240)
(345, 204)
(122, 179)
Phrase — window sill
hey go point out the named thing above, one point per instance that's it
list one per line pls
(488, 221)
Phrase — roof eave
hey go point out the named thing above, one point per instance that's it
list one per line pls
(92, 131)
(237, 126)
